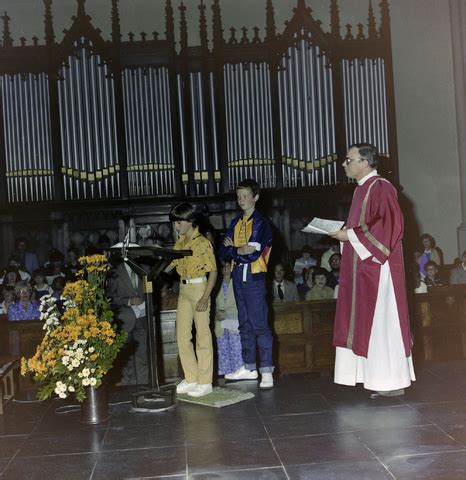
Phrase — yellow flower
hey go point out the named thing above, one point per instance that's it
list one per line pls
(81, 335)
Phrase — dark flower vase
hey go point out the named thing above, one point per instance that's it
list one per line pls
(94, 409)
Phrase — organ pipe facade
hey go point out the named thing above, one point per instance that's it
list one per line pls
(90, 118)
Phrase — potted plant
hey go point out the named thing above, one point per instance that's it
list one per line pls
(80, 344)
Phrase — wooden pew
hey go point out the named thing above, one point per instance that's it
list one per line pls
(24, 336)
(9, 369)
(19, 339)
(303, 333)
(438, 322)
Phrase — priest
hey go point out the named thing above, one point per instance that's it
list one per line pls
(372, 334)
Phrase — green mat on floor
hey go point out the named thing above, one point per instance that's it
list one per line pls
(218, 398)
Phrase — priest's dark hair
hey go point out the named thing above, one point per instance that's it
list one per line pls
(368, 152)
(184, 212)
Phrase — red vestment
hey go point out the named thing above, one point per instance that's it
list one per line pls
(377, 221)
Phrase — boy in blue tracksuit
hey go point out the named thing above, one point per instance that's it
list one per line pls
(248, 244)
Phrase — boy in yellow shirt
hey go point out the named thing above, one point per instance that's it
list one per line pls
(198, 274)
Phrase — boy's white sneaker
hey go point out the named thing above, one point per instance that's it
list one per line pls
(266, 381)
(200, 390)
(242, 374)
(185, 387)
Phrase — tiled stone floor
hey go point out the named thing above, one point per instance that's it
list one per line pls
(305, 428)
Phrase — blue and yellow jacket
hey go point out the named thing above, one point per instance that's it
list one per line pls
(259, 234)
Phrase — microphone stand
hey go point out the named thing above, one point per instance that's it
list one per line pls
(157, 397)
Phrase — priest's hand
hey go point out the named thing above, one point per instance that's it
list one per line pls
(341, 235)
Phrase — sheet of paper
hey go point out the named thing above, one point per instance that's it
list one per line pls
(322, 226)
(139, 310)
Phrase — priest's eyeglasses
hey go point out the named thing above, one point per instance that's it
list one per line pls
(348, 161)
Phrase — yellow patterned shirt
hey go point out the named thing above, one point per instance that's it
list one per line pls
(200, 262)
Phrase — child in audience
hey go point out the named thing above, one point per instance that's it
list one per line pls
(58, 285)
(305, 261)
(303, 288)
(430, 253)
(55, 267)
(431, 279)
(14, 261)
(326, 256)
(419, 284)
(41, 287)
(333, 277)
(72, 263)
(226, 325)
(8, 295)
(319, 291)
(166, 298)
(11, 277)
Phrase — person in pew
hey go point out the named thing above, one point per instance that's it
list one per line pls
(328, 254)
(72, 263)
(430, 253)
(55, 267)
(226, 326)
(432, 279)
(11, 277)
(41, 287)
(333, 277)
(303, 288)
(126, 293)
(458, 273)
(8, 295)
(304, 261)
(14, 261)
(198, 273)
(58, 285)
(283, 290)
(24, 308)
(167, 298)
(372, 331)
(319, 290)
(419, 284)
(27, 259)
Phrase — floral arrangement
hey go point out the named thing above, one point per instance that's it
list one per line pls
(81, 344)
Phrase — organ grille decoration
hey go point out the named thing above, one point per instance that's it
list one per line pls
(89, 118)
